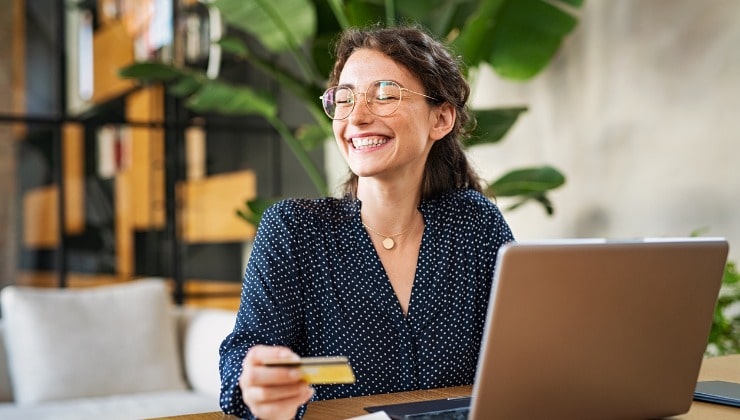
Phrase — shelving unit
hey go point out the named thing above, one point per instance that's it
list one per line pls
(167, 207)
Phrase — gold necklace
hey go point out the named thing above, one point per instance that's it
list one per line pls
(388, 242)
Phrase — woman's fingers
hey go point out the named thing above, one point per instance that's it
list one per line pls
(256, 373)
(282, 409)
(272, 392)
(266, 376)
(277, 394)
(261, 353)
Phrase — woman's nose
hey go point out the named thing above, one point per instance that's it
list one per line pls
(361, 112)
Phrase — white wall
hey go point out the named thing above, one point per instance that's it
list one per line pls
(641, 111)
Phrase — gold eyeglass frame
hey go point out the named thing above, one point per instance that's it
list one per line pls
(368, 102)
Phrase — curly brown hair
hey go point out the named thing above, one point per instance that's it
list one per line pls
(440, 72)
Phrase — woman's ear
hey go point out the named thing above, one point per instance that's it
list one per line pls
(443, 119)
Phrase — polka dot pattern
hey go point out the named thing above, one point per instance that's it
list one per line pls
(314, 283)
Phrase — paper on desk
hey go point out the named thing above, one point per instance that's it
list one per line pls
(378, 415)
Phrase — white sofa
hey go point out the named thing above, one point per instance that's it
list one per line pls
(114, 352)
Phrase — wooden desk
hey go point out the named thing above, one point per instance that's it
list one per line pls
(725, 368)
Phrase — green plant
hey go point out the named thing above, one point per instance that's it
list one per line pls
(724, 337)
(517, 38)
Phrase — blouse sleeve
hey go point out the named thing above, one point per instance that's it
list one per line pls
(269, 312)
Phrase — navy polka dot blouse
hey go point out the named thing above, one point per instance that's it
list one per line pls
(314, 283)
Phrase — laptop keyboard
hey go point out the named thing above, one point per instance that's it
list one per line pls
(440, 409)
(452, 414)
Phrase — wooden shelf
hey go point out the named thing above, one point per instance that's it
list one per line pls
(40, 220)
(113, 49)
(40, 224)
(209, 207)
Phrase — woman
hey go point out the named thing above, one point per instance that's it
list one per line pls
(396, 275)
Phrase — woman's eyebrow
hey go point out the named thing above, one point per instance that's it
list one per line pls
(353, 87)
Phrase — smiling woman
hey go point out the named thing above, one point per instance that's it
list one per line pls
(368, 273)
(320, 281)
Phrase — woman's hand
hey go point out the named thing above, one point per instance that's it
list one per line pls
(272, 392)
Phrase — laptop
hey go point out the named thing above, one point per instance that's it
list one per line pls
(591, 329)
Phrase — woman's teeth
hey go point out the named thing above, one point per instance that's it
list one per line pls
(366, 142)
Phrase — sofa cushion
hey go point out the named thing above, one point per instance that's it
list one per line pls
(75, 343)
(204, 333)
(6, 388)
(116, 407)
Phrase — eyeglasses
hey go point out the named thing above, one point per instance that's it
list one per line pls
(382, 98)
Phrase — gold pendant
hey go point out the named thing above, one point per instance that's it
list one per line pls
(388, 243)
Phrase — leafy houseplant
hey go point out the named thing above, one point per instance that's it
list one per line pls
(517, 38)
(724, 337)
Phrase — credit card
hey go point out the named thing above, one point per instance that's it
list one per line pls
(320, 370)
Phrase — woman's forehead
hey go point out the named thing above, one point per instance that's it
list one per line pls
(365, 66)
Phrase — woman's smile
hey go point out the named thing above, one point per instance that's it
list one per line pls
(369, 142)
